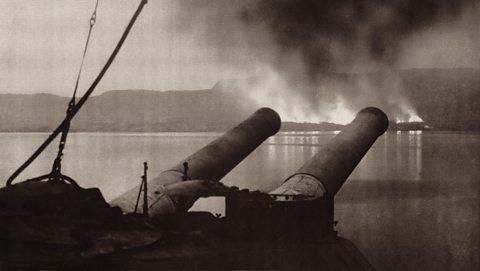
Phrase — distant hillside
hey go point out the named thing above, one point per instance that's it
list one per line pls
(153, 111)
(445, 99)
(127, 111)
(137, 111)
(38, 112)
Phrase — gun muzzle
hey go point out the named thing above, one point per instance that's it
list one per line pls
(328, 170)
(211, 163)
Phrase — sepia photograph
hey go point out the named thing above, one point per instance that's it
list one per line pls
(240, 135)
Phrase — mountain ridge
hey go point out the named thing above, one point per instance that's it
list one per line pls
(452, 103)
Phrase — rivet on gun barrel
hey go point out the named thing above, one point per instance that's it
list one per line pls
(211, 163)
(330, 167)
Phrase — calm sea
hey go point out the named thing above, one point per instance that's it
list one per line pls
(413, 203)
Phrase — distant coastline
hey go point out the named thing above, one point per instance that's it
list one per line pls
(153, 112)
(446, 99)
(286, 127)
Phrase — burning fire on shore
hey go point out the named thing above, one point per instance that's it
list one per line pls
(411, 117)
(334, 101)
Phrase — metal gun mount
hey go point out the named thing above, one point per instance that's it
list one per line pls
(302, 207)
(291, 226)
(166, 192)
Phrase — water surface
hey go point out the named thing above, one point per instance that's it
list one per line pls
(413, 203)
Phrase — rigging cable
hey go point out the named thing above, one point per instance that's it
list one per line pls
(57, 163)
(93, 20)
(74, 110)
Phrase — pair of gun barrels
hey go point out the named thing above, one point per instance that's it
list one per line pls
(325, 172)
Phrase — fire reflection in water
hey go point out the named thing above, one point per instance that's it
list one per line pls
(409, 145)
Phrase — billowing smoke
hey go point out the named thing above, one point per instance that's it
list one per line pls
(316, 60)
(333, 34)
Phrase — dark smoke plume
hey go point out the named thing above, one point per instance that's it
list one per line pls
(326, 59)
(317, 28)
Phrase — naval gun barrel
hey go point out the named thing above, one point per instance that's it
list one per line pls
(176, 189)
(219, 157)
(328, 170)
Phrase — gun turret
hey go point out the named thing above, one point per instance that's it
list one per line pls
(328, 170)
(211, 163)
(302, 207)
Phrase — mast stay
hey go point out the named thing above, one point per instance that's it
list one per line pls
(73, 107)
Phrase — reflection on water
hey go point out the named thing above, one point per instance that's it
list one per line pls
(413, 203)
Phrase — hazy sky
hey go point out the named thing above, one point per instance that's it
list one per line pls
(180, 44)
(42, 42)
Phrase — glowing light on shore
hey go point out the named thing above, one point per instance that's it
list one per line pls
(409, 116)
(340, 114)
(414, 118)
(273, 90)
